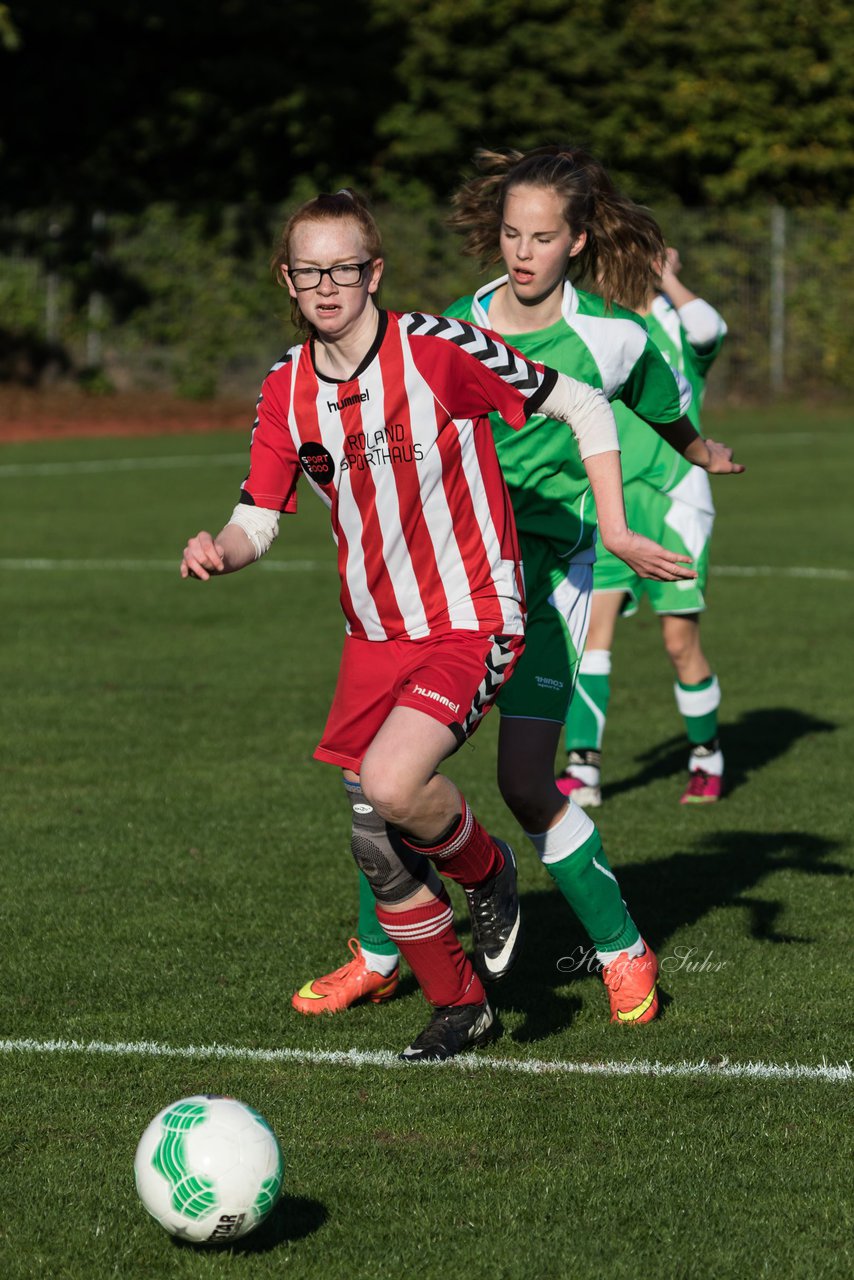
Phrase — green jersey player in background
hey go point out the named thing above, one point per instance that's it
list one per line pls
(554, 216)
(671, 501)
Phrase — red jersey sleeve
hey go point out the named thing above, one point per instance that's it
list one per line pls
(273, 463)
(473, 371)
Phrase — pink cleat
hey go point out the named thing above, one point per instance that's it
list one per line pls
(702, 788)
(574, 789)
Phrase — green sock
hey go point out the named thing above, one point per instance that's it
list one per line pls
(588, 710)
(698, 705)
(372, 936)
(590, 887)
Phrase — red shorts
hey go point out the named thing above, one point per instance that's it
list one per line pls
(454, 678)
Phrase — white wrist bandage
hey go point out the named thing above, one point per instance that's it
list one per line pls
(260, 525)
(588, 413)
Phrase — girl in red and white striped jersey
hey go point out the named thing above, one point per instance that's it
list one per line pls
(386, 416)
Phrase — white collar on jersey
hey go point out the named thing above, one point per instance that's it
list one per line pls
(568, 306)
(661, 305)
(668, 317)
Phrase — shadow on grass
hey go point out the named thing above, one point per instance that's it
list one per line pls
(752, 742)
(294, 1218)
(724, 869)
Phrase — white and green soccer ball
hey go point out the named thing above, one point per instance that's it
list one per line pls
(208, 1169)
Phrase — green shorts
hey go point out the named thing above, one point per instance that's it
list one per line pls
(558, 596)
(678, 526)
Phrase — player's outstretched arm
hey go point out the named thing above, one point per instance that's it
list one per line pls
(712, 456)
(206, 557)
(647, 558)
(676, 291)
(720, 459)
(249, 534)
(587, 411)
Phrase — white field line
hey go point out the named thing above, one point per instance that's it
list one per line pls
(136, 566)
(311, 566)
(98, 465)
(95, 466)
(723, 1069)
(790, 571)
(778, 437)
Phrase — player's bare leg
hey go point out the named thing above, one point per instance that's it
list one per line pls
(408, 819)
(400, 781)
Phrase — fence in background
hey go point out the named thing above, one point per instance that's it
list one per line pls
(185, 302)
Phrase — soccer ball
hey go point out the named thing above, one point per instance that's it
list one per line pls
(208, 1169)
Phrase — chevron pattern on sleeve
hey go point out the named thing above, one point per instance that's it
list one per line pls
(508, 364)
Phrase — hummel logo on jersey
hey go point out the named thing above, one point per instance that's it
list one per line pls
(358, 397)
(436, 697)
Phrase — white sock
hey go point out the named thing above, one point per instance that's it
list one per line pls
(561, 840)
(383, 965)
(635, 950)
(586, 773)
(712, 763)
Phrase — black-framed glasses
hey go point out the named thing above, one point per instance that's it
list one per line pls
(346, 274)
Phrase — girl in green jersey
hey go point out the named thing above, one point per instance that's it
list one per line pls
(553, 216)
(670, 501)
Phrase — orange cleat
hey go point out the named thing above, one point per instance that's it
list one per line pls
(630, 983)
(354, 981)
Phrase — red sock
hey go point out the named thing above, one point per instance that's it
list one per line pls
(468, 855)
(425, 937)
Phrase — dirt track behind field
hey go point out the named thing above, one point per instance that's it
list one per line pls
(27, 415)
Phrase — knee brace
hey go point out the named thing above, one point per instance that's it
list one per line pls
(394, 872)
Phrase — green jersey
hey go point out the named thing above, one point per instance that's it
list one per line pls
(610, 349)
(667, 328)
(653, 460)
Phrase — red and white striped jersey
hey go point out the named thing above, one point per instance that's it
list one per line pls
(402, 454)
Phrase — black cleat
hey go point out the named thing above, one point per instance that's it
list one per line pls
(495, 921)
(452, 1029)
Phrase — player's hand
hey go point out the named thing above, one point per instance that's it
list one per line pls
(650, 560)
(202, 557)
(720, 460)
(672, 264)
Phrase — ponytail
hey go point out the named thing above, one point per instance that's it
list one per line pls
(622, 256)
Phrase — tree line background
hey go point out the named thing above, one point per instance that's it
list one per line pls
(148, 151)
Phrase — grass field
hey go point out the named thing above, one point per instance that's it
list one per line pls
(175, 864)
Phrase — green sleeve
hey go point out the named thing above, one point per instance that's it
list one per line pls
(702, 359)
(651, 390)
(461, 309)
(650, 394)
